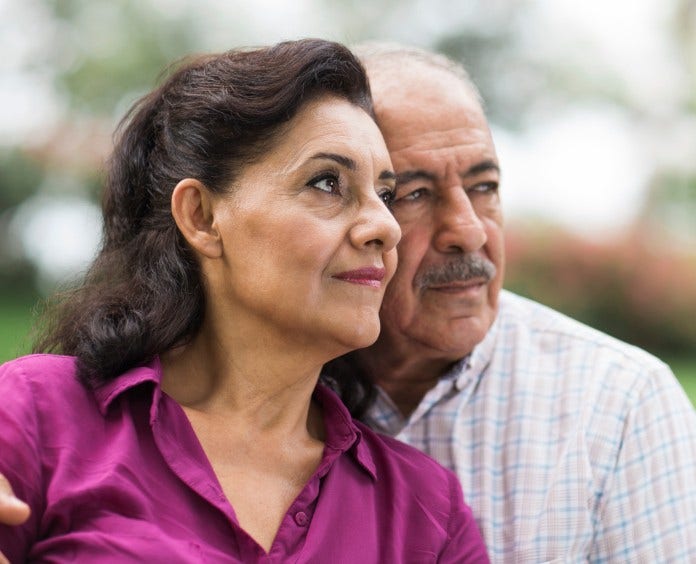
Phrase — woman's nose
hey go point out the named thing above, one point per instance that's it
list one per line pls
(375, 225)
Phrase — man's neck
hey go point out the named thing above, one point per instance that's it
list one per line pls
(405, 379)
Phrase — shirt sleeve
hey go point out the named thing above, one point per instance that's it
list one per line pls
(649, 504)
(19, 458)
(465, 544)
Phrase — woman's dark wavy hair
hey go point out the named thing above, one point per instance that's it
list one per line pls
(215, 114)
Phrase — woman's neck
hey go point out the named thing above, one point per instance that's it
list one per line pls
(254, 417)
(257, 384)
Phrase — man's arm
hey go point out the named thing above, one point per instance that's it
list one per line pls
(649, 503)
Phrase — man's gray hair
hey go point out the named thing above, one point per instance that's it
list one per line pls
(381, 56)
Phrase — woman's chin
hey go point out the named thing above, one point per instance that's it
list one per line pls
(361, 335)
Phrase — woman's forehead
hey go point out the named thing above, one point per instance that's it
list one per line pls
(330, 125)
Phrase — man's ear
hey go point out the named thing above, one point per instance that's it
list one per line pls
(192, 208)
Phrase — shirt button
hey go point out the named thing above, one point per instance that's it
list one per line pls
(301, 518)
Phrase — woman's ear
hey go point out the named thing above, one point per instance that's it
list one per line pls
(192, 208)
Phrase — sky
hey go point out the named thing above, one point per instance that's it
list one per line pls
(585, 167)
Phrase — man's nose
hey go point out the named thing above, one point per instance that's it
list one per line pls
(458, 228)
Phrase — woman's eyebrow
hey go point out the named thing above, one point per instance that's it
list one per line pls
(349, 163)
(340, 159)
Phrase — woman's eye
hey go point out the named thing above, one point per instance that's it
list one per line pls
(387, 196)
(326, 183)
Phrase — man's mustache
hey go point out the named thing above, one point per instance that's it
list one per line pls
(459, 268)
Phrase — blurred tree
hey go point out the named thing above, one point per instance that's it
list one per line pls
(115, 48)
(20, 176)
(684, 24)
(669, 210)
(101, 55)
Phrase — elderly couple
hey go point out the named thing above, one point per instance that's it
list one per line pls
(240, 360)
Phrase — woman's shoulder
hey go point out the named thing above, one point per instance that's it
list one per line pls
(427, 495)
(41, 361)
(40, 366)
(42, 376)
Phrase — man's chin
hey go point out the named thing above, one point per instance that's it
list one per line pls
(458, 336)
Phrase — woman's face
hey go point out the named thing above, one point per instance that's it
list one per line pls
(308, 238)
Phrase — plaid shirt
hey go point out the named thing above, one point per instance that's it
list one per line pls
(570, 445)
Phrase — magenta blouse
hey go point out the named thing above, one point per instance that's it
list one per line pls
(118, 475)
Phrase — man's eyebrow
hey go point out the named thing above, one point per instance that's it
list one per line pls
(419, 174)
(483, 166)
(410, 175)
(340, 159)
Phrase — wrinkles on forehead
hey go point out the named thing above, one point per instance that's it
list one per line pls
(422, 135)
(431, 156)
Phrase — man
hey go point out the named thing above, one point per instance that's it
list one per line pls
(569, 445)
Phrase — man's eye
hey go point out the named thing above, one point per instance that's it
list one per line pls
(326, 183)
(415, 195)
(484, 187)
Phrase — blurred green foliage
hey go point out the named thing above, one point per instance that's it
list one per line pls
(113, 48)
(20, 176)
(16, 313)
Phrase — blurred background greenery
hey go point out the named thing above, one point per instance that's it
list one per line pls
(592, 105)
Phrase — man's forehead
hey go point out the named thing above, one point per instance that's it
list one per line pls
(432, 149)
(429, 116)
(390, 85)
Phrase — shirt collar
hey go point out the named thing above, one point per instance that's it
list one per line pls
(342, 434)
(463, 376)
(151, 372)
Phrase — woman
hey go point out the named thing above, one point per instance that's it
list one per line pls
(247, 241)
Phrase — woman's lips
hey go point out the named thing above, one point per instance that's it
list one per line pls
(367, 276)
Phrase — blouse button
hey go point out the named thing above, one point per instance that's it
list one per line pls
(301, 518)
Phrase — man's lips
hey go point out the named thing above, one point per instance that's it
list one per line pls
(367, 276)
(459, 285)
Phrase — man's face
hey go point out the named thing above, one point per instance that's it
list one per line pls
(444, 295)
